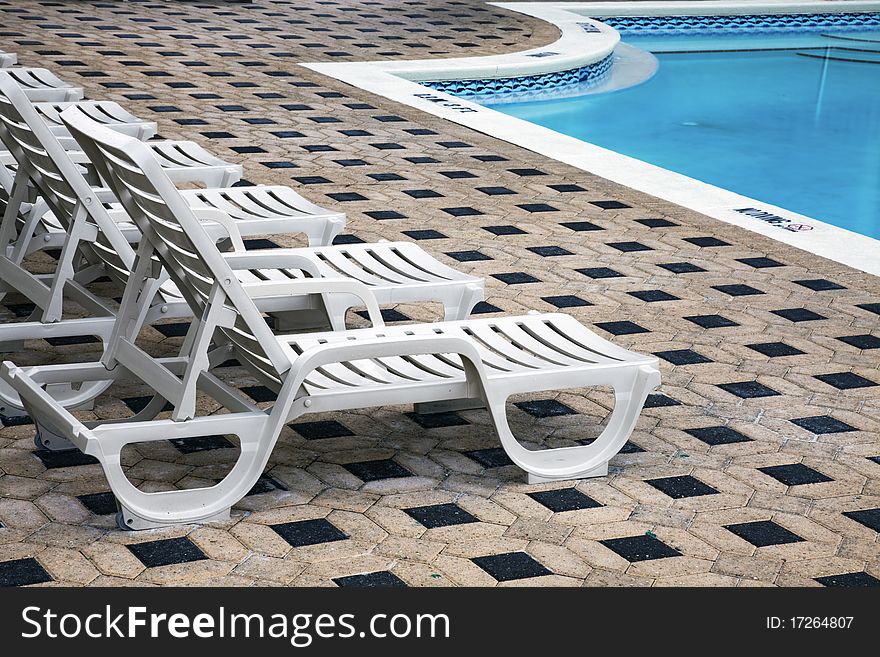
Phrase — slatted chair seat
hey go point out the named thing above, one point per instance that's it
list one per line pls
(41, 85)
(486, 359)
(395, 272)
(527, 354)
(105, 112)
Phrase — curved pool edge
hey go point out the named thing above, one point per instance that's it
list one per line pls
(783, 225)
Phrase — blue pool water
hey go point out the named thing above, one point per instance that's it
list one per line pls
(798, 127)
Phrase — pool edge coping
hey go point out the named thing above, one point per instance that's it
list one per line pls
(384, 78)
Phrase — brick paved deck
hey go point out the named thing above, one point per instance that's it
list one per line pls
(757, 464)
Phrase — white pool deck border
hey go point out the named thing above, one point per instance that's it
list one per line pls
(398, 81)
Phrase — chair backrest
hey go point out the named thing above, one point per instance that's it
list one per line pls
(59, 180)
(187, 251)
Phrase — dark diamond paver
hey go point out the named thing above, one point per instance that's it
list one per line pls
(798, 315)
(865, 341)
(629, 247)
(516, 278)
(761, 263)
(266, 484)
(321, 429)
(748, 389)
(640, 548)
(719, 435)
(706, 242)
(377, 469)
(763, 533)
(681, 487)
(201, 444)
(795, 474)
(437, 420)
(822, 424)
(849, 580)
(820, 285)
(259, 393)
(845, 380)
(309, 532)
(166, 552)
(599, 272)
(66, 458)
(775, 349)
(493, 457)
(682, 357)
(511, 566)
(657, 400)
(738, 290)
(622, 328)
(545, 408)
(870, 518)
(440, 515)
(681, 267)
(381, 579)
(566, 301)
(22, 572)
(711, 321)
(101, 504)
(564, 499)
(652, 296)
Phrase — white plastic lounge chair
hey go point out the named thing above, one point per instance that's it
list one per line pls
(488, 359)
(7, 59)
(41, 85)
(186, 162)
(104, 239)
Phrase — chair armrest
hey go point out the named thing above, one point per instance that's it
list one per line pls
(295, 287)
(218, 224)
(274, 259)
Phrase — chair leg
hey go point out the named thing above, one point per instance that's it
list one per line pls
(141, 510)
(461, 308)
(566, 463)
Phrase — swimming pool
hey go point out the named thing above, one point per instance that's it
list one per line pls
(789, 119)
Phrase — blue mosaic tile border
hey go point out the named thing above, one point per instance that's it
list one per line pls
(585, 76)
(764, 23)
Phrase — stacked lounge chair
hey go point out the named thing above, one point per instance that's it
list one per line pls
(182, 251)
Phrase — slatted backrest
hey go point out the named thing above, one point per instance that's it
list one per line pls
(58, 179)
(188, 253)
